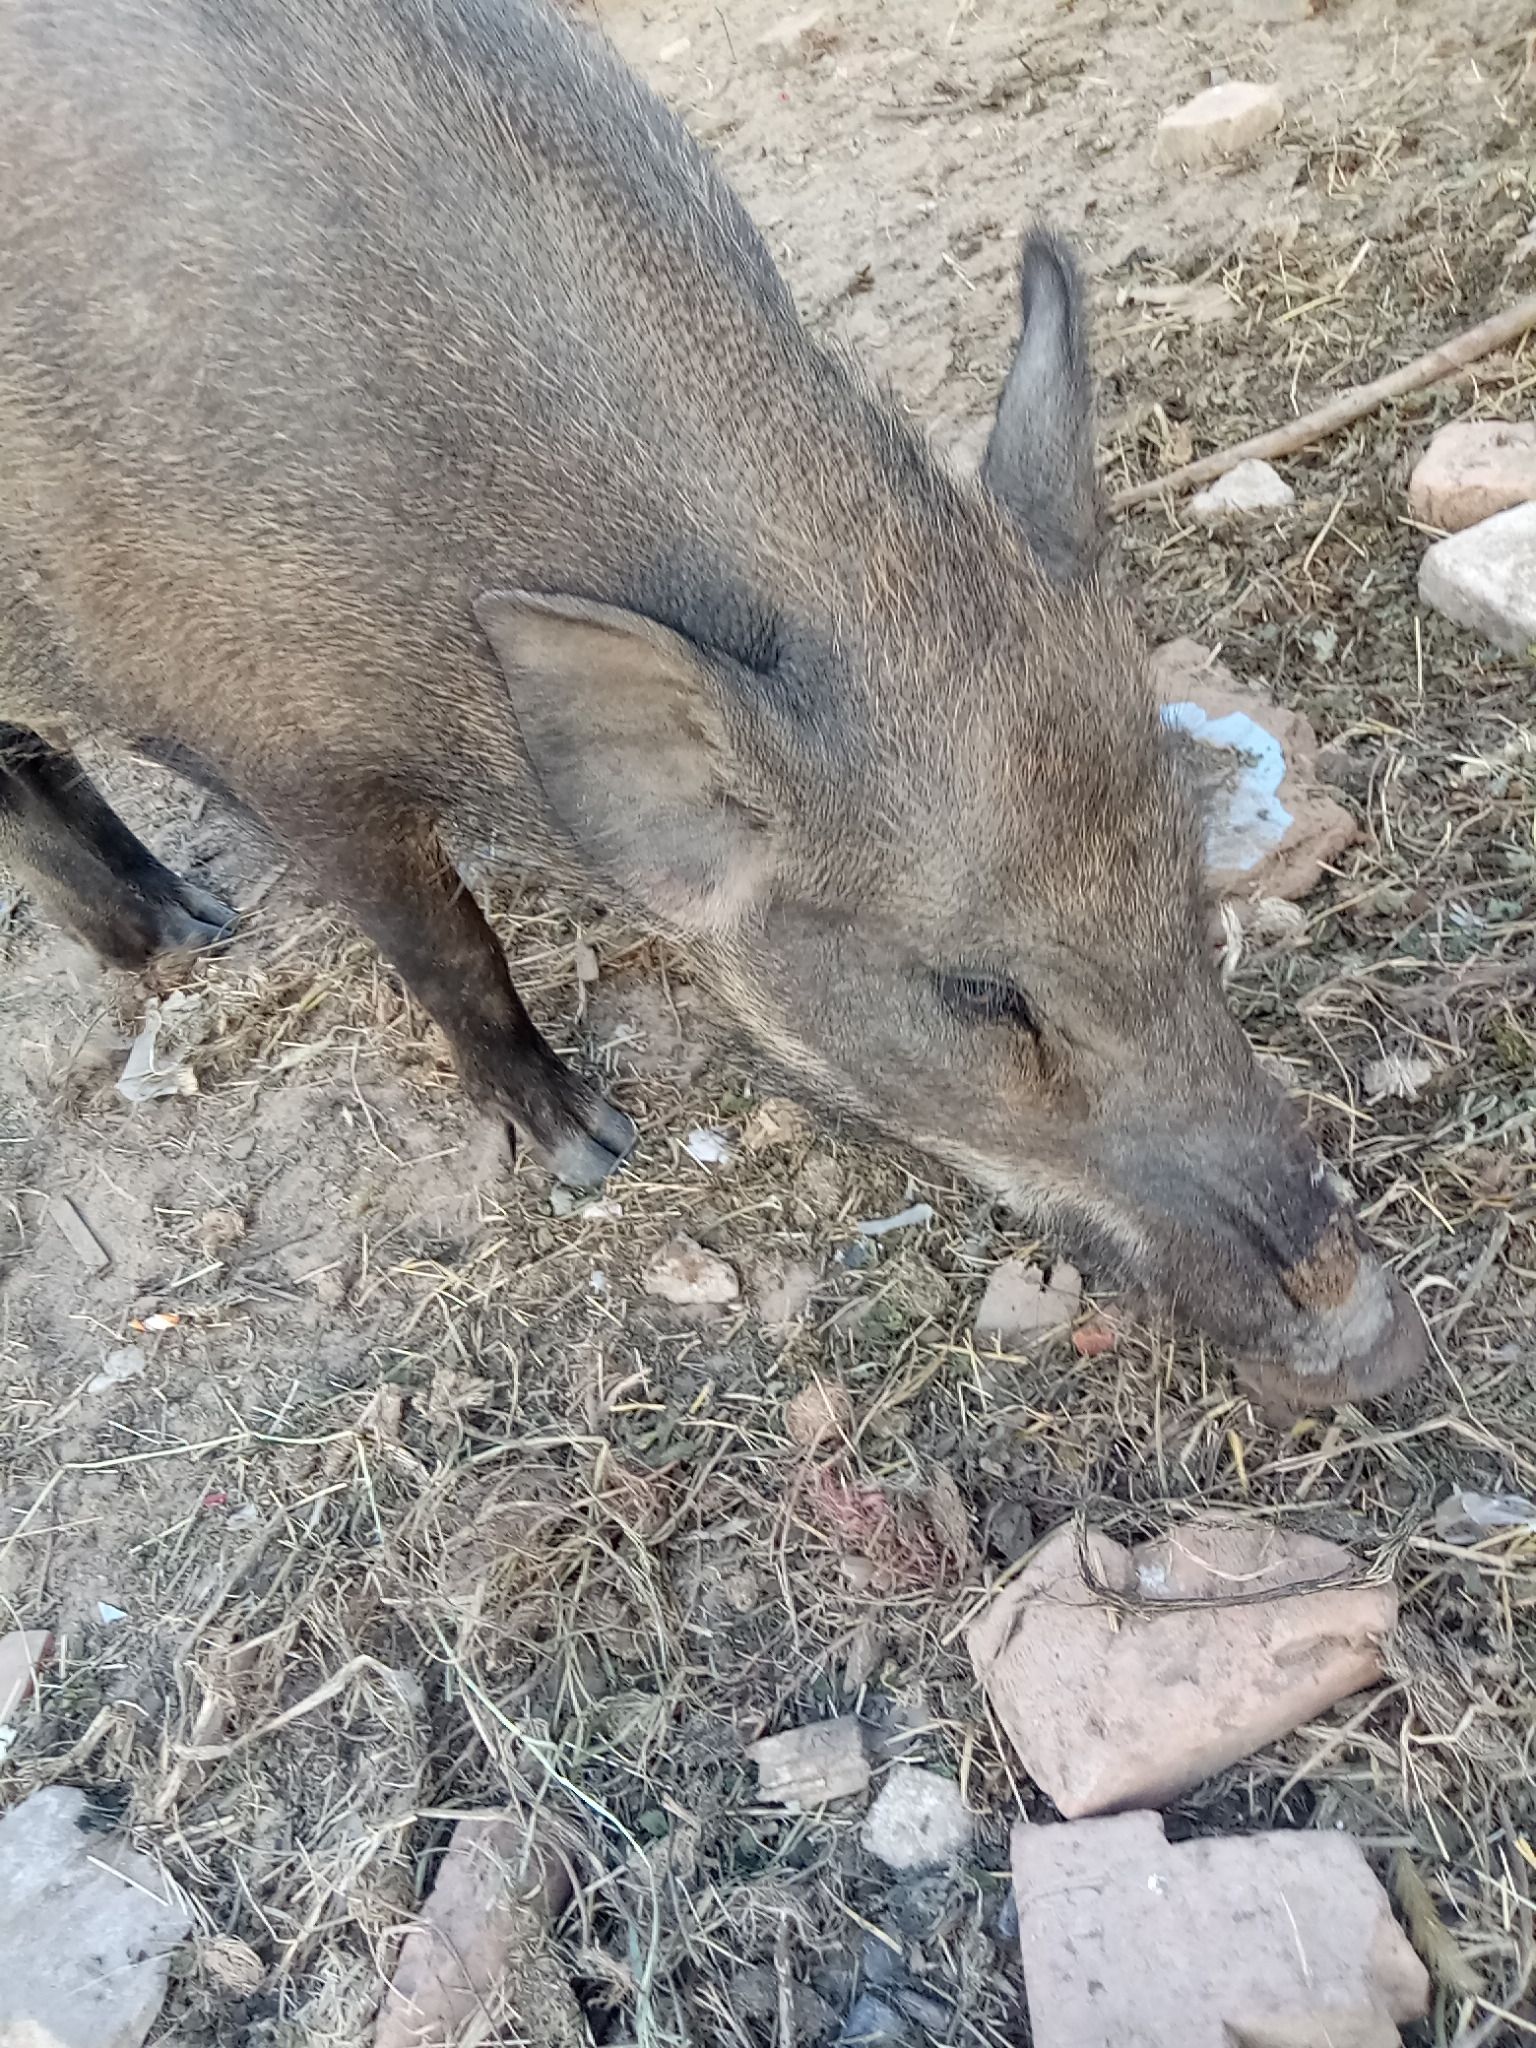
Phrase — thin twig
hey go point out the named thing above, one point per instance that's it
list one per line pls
(1499, 332)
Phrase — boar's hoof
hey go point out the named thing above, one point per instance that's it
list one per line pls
(191, 920)
(137, 926)
(585, 1140)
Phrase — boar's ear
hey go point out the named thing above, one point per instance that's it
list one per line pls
(1039, 462)
(624, 725)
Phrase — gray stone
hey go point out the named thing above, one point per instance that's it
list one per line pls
(872, 2024)
(918, 1822)
(1485, 577)
(86, 1930)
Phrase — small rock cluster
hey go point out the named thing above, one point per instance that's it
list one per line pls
(1124, 1678)
(1476, 483)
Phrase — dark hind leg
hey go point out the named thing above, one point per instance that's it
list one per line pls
(87, 868)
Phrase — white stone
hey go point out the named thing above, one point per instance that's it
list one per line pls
(1485, 577)
(918, 1822)
(1246, 489)
(87, 1927)
(1220, 122)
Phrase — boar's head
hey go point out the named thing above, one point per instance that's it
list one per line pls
(923, 827)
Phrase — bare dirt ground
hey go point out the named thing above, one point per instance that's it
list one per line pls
(418, 1496)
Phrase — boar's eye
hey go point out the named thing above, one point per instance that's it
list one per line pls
(986, 999)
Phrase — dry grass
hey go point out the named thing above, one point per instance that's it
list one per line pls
(552, 1539)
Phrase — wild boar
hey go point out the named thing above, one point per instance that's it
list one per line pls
(404, 431)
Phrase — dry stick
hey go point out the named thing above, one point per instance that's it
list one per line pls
(1348, 407)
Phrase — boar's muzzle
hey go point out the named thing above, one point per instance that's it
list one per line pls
(1243, 1229)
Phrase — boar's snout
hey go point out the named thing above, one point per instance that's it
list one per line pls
(1362, 1335)
(1249, 1236)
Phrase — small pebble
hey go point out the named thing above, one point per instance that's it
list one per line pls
(810, 1766)
(817, 1412)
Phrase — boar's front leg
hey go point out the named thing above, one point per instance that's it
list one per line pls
(378, 855)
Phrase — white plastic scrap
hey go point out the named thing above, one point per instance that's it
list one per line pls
(1253, 821)
(709, 1148)
(142, 1079)
(125, 1363)
(1399, 1074)
(1465, 1517)
(877, 1226)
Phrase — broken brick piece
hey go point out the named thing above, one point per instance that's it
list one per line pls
(1471, 470)
(1111, 1709)
(1021, 1307)
(808, 1767)
(478, 1950)
(1254, 1941)
(1222, 121)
